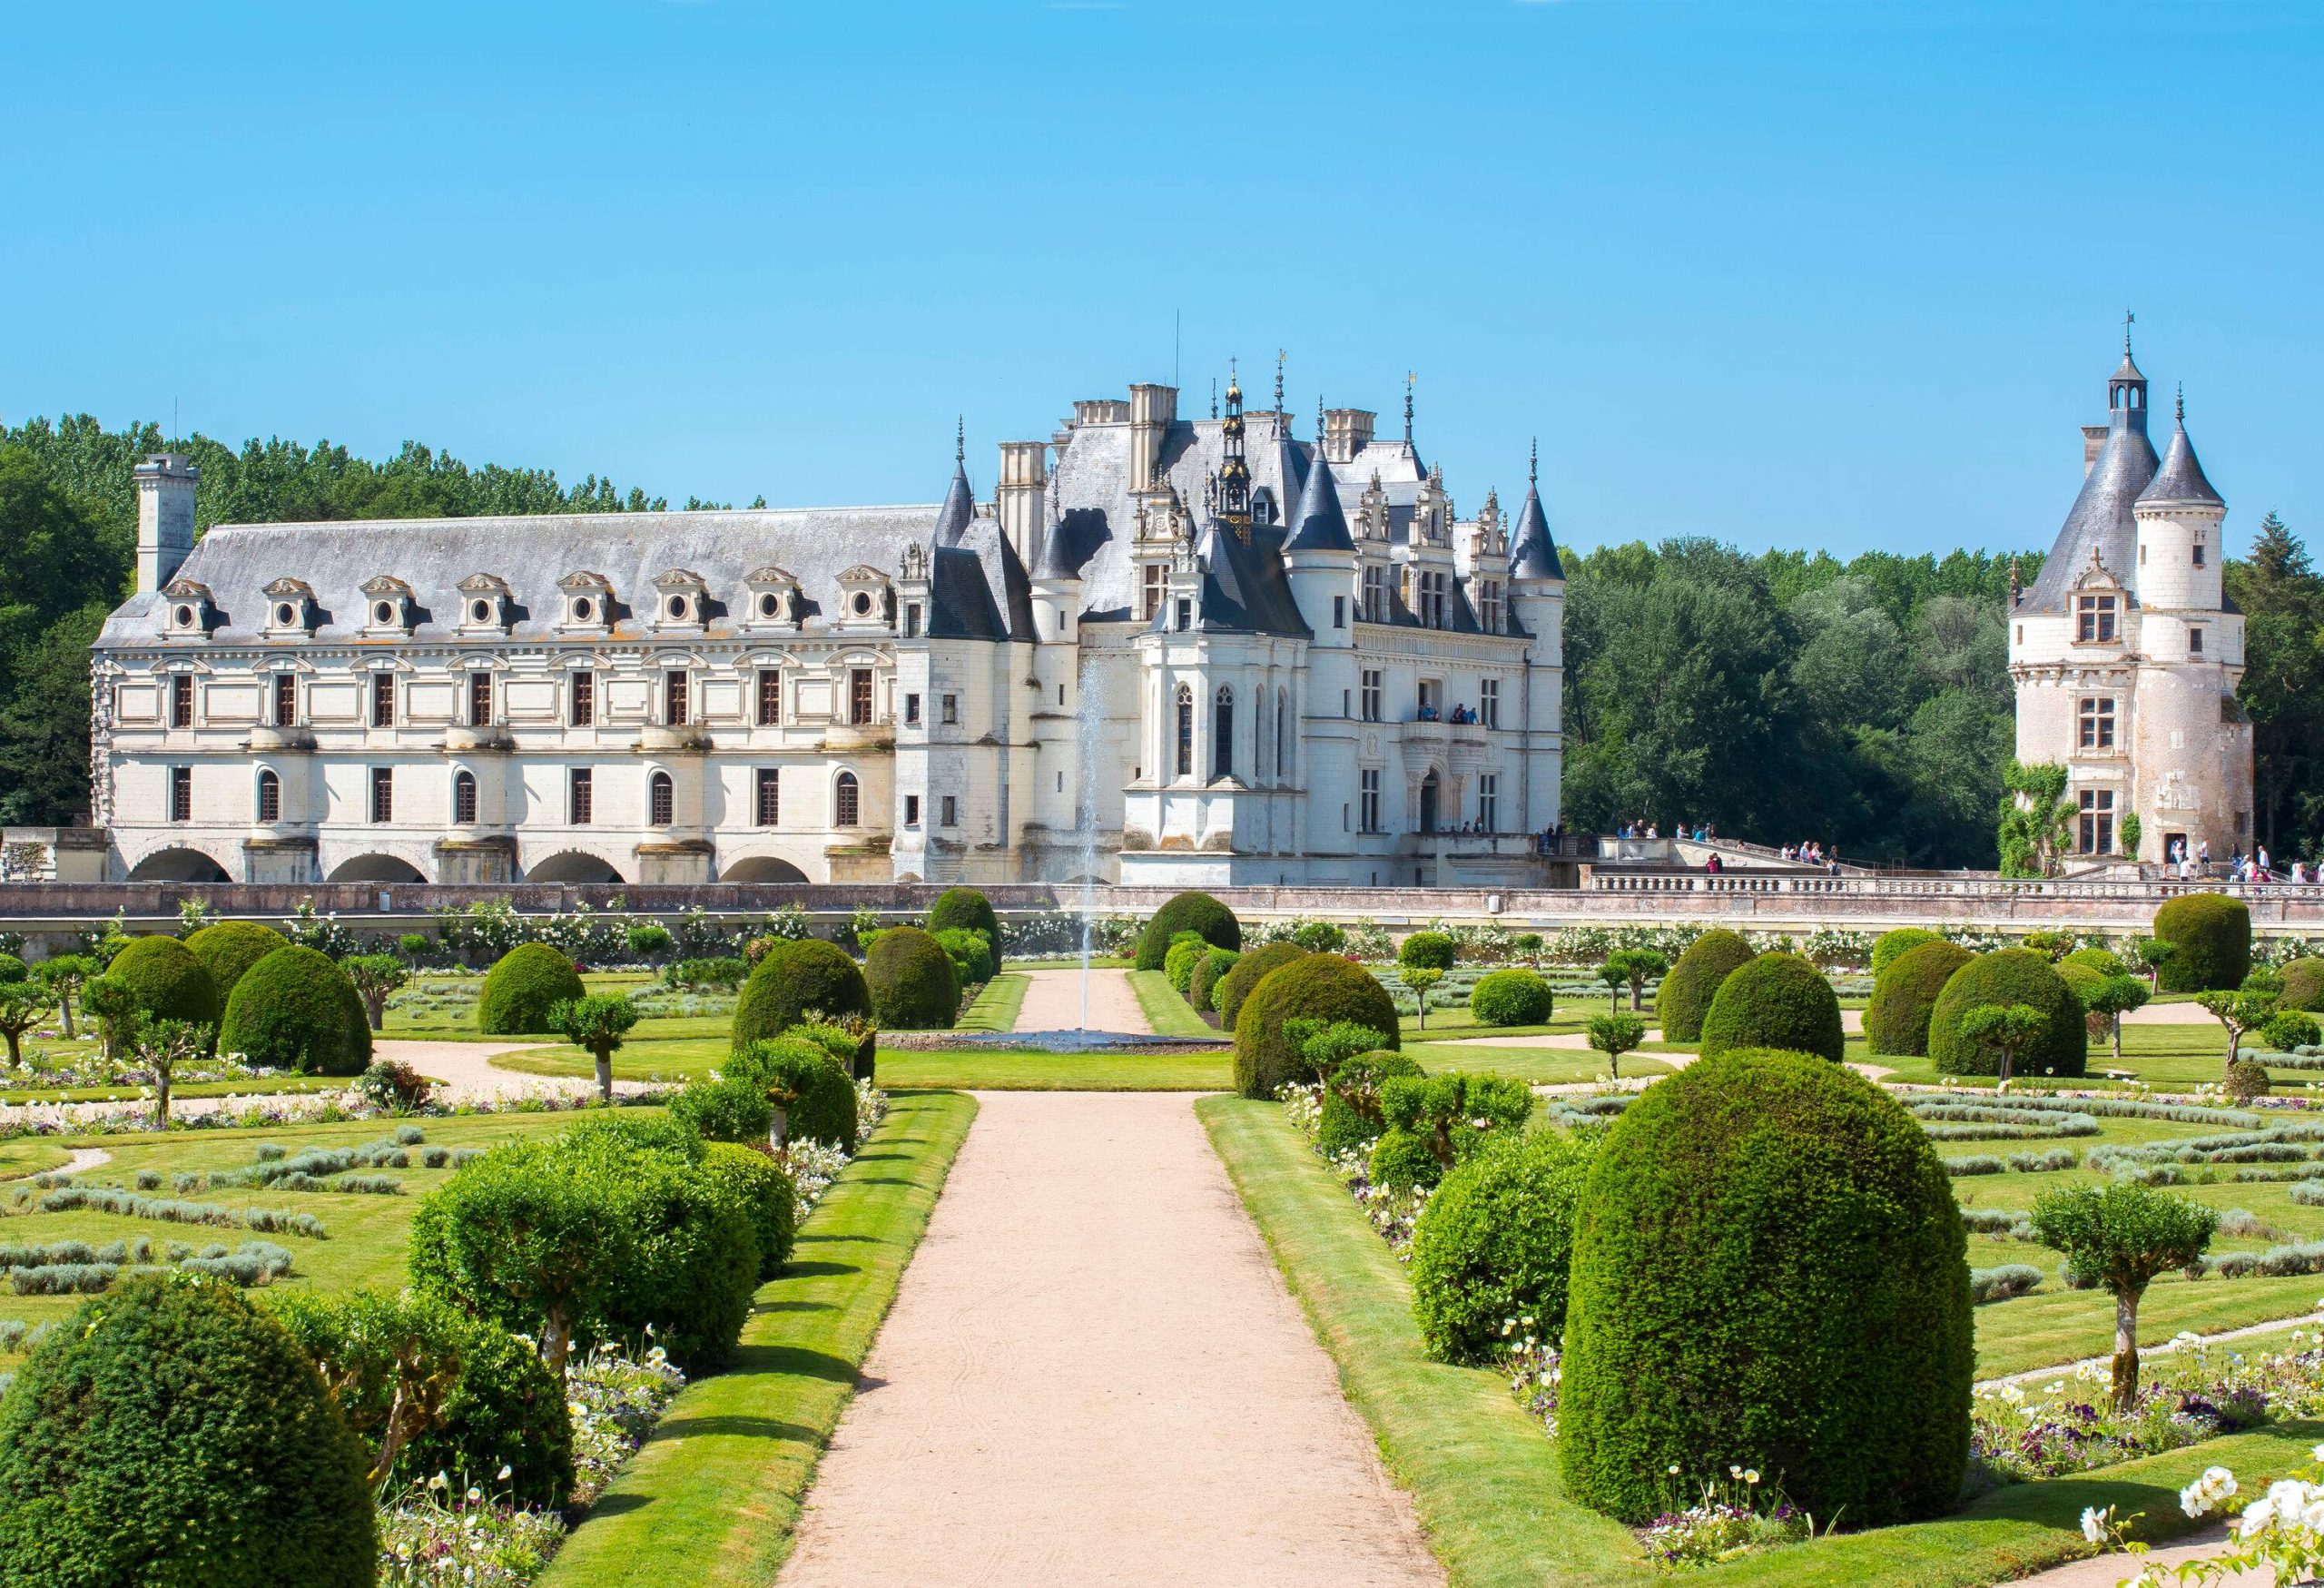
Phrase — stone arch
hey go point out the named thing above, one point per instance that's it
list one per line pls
(762, 868)
(179, 863)
(573, 865)
(375, 868)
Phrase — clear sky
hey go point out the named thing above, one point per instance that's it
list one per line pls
(1836, 275)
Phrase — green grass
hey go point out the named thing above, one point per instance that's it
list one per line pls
(1483, 1475)
(1534, 1066)
(271, 1086)
(712, 1498)
(1166, 1012)
(1024, 1069)
(27, 1155)
(996, 1007)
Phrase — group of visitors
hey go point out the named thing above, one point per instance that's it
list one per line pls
(1460, 714)
(1811, 852)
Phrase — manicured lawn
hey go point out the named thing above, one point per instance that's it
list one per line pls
(1023, 1069)
(712, 1496)
(1534, 1066)
(1483, 1475)
(996, 1007)
(272, 1086)
(1169, 1013)
(29, 1156)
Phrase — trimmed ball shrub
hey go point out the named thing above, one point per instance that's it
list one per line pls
(172, 1433)
(1323, 988)
(1769, 1270)
(522, 985)
(1437, 1122)
(1187, 912)
(1235, 986)
(1495, 1242)
(167, 980)
(913, 985)
(1686, 992)
(1511, 997)
(2246, 1079)
(1202, 987)
(2105, 961)
(2304, 986)
(2004, 977)
(729, 1110)
(2209, 936)
(1428, 950)
(1776, 1000)
(296, 1010)
(1892, 946)
(966, 910)
(229, 948)
(807, 1083)
(1895, 1021)
(2290, 1028)
(762, 1190)
(1178, 963)
(794, 976)
(13, 968)
(2079, 980)
(971, 953)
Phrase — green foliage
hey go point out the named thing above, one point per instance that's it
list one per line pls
(170, 1432)
(759, 1185)
(1325, 1046)
(1448, 1117)
(2121, 1236)
(2304, 986)
(23, 1004)
(1197, 912)
(2081, 980)
(2282, 690)
(1350, 1116)
(1320, 937)
(227, 949)
(648, 940)
(1186, 950)
(1511, 998)
(1892, 946)
(65, 975)
(1202, 986)
(595, 1022)
(806, 1082)
(1323, 988)
(1769, 1270)
(1775, 1001)
(795, 976)
(375, 977)
(728, 1109)
(971, 951)
(2105, 961)
(1896, 1022)
(2290, 1028)
(2005, 1031)
(1687, 991)
(2209, 936)
(2007, 977)
(2036, 819)
(2241, 1013)
(1615, 1035)
(1428, 950)
(1234, 987)
(2246, 1079)
(1494, 1243)
(167, 980)
(295, 1009)
(521, 989)
(966, 910)
(913, 985)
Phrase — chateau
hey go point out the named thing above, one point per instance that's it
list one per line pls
(2127, 652)
(1168, 650)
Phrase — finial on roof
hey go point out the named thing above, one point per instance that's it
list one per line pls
(2129, 319)
(1533, 464)
(1319, 424)
(1233, 381)
(1409, 378)
(2180, 413)
(1278, 380)
(960, 438)
(1214, 396)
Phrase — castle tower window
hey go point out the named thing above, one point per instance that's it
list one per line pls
(911, 709)
(1489, 702)
(2096, 823)
(1282, 735)
(660, 800)
(2199, 553)
(770, 796)
(270, 797)
(2098, 722)
(1185, 731)
(1376, 593)
(479, 700)
(911, 620)
(286, 700)
(911, 810)
(1150, 591)
(1185, 614)
(674, 694)
(952, 705)
(464, 798)
(2095, 619)
(846, 800)
(1488, 802)
(770, 698)
(2194, 642)
(180, 794)
(950, 810)
(1372, 695)
(859, 696)
(580, 797)
(1368, 792)
(181, 700)
(583, 700)
(383, 793)
(1222, 732)
(383, 700)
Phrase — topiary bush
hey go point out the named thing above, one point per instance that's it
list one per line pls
(1769, 1271)
(2292, 1028)
(1428, 950)
(794, 976)
(727, 1109)
(1892, 946)
(1776, 1000)
(1187, 912)
(1511, 997)
(1235, 986)
(172, 1433)
(2105, 961)
(522, 985)
(2209, 936)
(229, 948)
(913, 985)
(1436, 1122)
(1351, 1115)
(764, 1191)
(2304, 986)
(807, 1083)
(1684, 998)
(1495, 1242)
(2246, 1079)
(296, 1010)
(966, 910)
(1202, 987)
(167, 980)
(2081, 980)
(1323, 988)
(2004, 977)
(1178, 965)
(1895, 1021)
(971, 951)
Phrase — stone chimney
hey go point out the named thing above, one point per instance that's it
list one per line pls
(165, 483)
(1024, 484)
(1151, 410)
(2093, 437)
(1346, 432)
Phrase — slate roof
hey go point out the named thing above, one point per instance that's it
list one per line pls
(1317, 523)
(1532, 552)
(2101, 517)
(2181, 479)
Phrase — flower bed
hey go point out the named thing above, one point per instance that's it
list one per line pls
(134, 1116)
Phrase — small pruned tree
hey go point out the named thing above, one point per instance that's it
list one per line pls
(2007, 1029)
(2113, 998)
(114, 1005)
(2121, 1236)
(160, 1046)
(2036, 819)
(65, 975)
(22, 1006)
(598, 1022)
(1615, 1035)
(1327, 1047)
(2240, 1013)
(376, 976)
(1616, 975)
(1639, 966)
(2056, 945)
(2148, 954)
(390, 1359)
(1420, 979)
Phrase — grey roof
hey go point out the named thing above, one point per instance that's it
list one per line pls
(1057, 559)
(1243, 590)
(2181, 479)
(1532, 553)
(960, 505)
(2100, 520)
(1317, 524)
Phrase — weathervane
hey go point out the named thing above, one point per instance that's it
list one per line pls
(1409, 378)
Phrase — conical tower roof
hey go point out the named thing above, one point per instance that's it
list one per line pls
(1532, 551)
(959, 509)
(2181, 479)
(1317, 523)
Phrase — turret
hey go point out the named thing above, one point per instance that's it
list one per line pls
(959, 506)
(165, 486)
(2178, 517)
(1319, 555)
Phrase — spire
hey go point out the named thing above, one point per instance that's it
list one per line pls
(1234, 473)
(959, 509)
(1409, 378)
(2180, 479)
(2126, 389)
(1533, 463)
(1317, 523)
(960, 440)
(1533, 554)
(1278, 380)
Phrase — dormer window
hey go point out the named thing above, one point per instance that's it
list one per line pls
(588, 600)
(388, 606)
(867, 599)
(486, 604)
(771, 599)
(186, 608)
(2095, 619)
(681, 600)
(290, 607)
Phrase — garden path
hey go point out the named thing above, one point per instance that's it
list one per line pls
(468, 1068)
(2106, 1571)
(1094, 1375)
(1053, 1002)
(2170, 1014)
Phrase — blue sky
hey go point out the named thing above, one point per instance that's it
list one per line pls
(1832, 275)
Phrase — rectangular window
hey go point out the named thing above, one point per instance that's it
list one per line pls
(1339, 612)
(383, 700)
(270, 798)
(585, 699)
(1426, 700)
(580, 799)
(1150, 602)
(2199, 553)
(1371, 696)
(2095, 619)
(180, 794)
(2098, 724)
(859, 696)
(286, 699)
(1344, 706)
(2194, 642)
(1489, 608)
(1489, 702)
(770, 796)
(660, 800)
(464, 800)
(911, 810)
(911, 620)
(1376, 594)
(912, 710)
(479, 700)
(1185, 614)
(1488, 802)
(676, 695)
(1368, 790)
(770, 698)
(951, 710)
(181, 701)
(2096, 834)
(951, 809)
(383, 793)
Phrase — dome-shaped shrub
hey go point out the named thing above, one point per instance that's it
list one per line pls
(728, 1109)
(2209, 936)
(167, 980)
(296, 1010)
(914, 986)
(971, 953)
(1235, 986)
(1511, 998)
(2304, 986)
(1495, 1242)
(1428, 950)
(821, 1099)
(2247, 1079)
(1895, 1021)
(1776, 1000)
(1892, 946)
(966, 909)
(1686, 992)
(1317, 987)
(1187, 912)
(797, 975)
(170, 1432)
(1202, 987)
(13, 968)
(2079, 980)
(2105, 961)
(1768, 1271)
(227, 949)
(1178, 963)
(2004, 977)
(522, 985)
(762, 1190)
(2290, 1028)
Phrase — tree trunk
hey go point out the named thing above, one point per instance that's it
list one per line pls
(1421, 998)
(15, 1047)
(605, 1079)
(160, 1098)
(375, 1005)
(2126, 1348)
(1638, 995)
(778, 1134)
(2118, 1039)
(64, 1009)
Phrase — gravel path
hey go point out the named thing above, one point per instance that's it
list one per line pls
(467, 1067)
(1094, 1375)
(2107, 1571)
(1053, 1002)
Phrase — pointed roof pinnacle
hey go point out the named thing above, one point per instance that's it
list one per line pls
(960, 439)
(2180, 477)
(1533, 463)
(1409, 378)
(1318, 523)
(960, 508)
(1532, 551)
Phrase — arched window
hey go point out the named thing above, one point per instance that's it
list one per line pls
(1185, 731)
(270, 797)
(844, 801)
(1221, 731)
(659, 800)
(464, 798)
